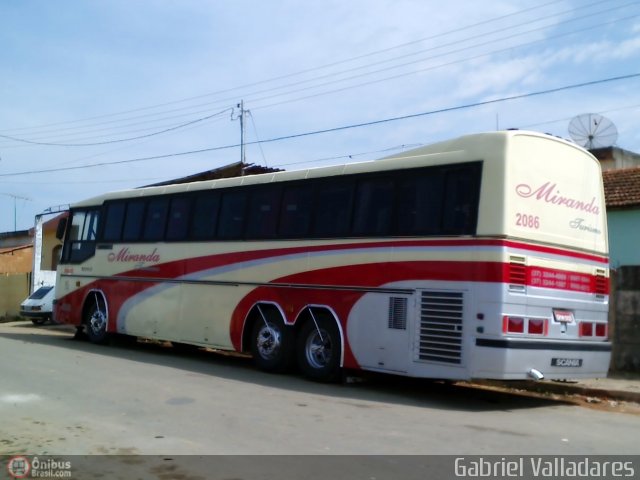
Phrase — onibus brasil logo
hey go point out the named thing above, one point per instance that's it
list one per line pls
(21, 467)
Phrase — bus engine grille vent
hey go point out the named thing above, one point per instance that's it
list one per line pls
(398, 313)
(441, 315)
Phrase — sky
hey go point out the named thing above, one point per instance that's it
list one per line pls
(106, 95)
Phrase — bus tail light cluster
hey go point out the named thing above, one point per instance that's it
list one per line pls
(601, 286)
(593, 329)
(530, 326)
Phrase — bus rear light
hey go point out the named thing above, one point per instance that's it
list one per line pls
(601, 329)
(601, 286)
(536, 326)
(513, 325)
(586, 329)
(531, 326)
(593, 329)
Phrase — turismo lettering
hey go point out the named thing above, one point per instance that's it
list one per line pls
(578, 224)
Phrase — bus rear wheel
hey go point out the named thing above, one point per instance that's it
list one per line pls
(271, 344)
(95, 322)
(319, 350)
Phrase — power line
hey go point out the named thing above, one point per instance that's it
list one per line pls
(22, 140)
(413, 72)
(325, 66)
(255, 129)
(316, 86)
(335, 129)
(300, 72)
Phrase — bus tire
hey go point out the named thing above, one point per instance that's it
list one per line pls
(95, 322)
(271, 344)
(319, 349)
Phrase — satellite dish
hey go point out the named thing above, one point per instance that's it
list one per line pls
(591, 130)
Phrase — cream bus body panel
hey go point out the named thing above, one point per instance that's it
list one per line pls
(554, 195)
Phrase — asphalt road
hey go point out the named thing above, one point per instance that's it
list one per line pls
(64, 396)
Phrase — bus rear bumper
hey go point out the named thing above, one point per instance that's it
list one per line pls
(516, 359)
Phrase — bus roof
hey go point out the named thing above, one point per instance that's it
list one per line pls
(480, 145)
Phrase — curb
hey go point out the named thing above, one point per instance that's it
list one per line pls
(563, 389)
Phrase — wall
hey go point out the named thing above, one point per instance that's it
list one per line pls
(15, 279)
(624, 318)
(14, 288)
(624, 237)
(16, 260)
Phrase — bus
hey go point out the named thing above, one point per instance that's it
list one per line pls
(480, 257)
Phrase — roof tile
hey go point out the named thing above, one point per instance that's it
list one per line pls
(622, 187)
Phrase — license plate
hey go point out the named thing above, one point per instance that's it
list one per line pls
(566, 362)
(563, 316)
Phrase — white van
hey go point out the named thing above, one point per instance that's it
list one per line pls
(39, 305)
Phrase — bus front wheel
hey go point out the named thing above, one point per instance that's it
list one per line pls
(271, 344)
(96, 322)
(319, 350)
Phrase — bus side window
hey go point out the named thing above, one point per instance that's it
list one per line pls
(205, 216)
(461, 201)
(263, 212)
(232, 215)
(419, 208)
(178, 225)
(374, 204)
(114, 220)
(133, 220)
(333, 210)
(156, 219)
(80, 243)
(295, 214)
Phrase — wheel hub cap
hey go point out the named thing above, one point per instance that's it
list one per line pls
(269, 341)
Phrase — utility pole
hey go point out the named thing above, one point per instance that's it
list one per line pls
(15, 215)
(243, 158)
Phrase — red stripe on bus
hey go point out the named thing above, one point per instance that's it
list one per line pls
(192, 265)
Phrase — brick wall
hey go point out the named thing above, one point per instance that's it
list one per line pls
(15, 278)
(14, 288)
(16, 260)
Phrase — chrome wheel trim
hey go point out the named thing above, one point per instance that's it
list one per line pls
(318, 349)
(269, 341)
(98, 321)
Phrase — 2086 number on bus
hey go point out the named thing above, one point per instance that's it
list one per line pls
(527, 221)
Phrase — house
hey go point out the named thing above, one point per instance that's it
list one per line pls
(615, 158)
(622, 194)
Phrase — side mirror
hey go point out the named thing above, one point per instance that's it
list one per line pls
(62, 226)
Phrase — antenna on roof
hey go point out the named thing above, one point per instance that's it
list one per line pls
(591, 130)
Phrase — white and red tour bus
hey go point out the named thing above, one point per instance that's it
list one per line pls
(481, 257)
